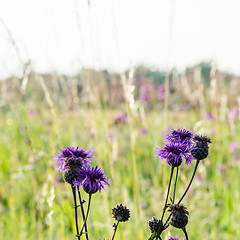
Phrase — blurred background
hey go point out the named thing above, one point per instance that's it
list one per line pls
(117, 76)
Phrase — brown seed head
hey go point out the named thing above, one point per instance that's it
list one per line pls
(201, 138)
(179, 215)
(154, 224)
(121, 213)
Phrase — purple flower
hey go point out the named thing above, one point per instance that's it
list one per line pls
(233, 147)
(143, 131)
(161, 91)
(73, 157)
(233, 113)
(181, 135)
(92, 179)
(222, 168)
(178, 146)
(120, 118)
(174, 153)
(145, 93)
(175, 238)
(144, 97)
(236, 159)
(210, 116)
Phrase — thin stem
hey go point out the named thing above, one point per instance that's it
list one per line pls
(195, 169)
(75, 207)
(185, 232)
(115, 229)
(175, 184)
(166, 223)
(82, 210)
(89, 202)
(174, 191)
(169, 186)
(160, 229)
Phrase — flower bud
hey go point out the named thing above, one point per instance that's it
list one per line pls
(200, 149)
(154, 224)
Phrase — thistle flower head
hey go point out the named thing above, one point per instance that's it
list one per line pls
(121, 213)
(179, 215)
(69, 175)
(200, 149)
(200, 138)
(178, 147)
(174, 153)
(180, 135)
(73, 158)
(92, 179)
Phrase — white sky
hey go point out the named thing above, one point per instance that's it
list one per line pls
(64, 35)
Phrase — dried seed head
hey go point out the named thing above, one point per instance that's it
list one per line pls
(201, 138)
(121, 213)
(200, 149)
(179, 215)
(154, 224)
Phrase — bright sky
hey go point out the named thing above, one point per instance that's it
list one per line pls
(64, 35)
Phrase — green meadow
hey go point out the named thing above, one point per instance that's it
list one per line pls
(41, 114)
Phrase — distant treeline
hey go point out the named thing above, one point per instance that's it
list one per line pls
(201, 84)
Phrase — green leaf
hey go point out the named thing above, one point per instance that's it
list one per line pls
(152, 236)
(73, 206)
(79, 235)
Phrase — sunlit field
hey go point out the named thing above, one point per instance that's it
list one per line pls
(123, 117)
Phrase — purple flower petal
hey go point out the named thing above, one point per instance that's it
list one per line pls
(178, 147)
(76, 154)
(92, 179)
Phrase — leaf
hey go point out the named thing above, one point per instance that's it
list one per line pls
(152, 236)
(79, 235)
(73, 206)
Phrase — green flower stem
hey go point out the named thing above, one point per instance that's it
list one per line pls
(185, 232)
(82, 210)
(115, 229)
(89, 203)
(75, 207)
(166, 224)
(194, 172)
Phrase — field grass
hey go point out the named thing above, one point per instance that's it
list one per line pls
(36, 204)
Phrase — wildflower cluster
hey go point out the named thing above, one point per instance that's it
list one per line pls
(75, 163)
(182, 144)
(179, 145)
